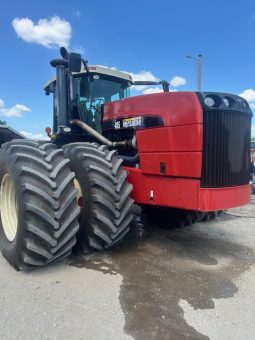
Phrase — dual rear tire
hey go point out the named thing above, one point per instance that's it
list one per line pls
(104, 195)
(42, 218)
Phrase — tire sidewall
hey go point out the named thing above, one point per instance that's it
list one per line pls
(11, 249)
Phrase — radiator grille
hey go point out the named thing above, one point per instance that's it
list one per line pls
(226, 148)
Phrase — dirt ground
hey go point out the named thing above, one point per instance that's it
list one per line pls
(195, 282)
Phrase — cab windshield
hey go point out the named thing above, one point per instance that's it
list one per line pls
(94, 90)
(100, 89)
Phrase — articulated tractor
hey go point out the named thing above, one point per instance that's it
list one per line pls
(108, 151)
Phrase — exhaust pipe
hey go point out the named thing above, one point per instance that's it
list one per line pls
(127, 160)
(98, 136)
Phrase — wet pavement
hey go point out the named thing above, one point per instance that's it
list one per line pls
(176, 283)
(195, 264)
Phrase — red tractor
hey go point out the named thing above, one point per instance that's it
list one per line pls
(186, 150)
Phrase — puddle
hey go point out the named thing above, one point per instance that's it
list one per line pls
(170, 265)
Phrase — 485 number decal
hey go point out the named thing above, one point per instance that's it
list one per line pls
(138, 122)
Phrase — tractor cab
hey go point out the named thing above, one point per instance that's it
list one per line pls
(92, 87)
(80, 93)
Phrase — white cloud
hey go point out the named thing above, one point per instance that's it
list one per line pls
(177, 81)
(249, 95)
(149, 76)
(79, 49)
(155, 89)
(37, 136)
(52, 32)
(142, 76)
(14, 111)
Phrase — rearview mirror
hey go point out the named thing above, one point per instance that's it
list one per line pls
(74, 62)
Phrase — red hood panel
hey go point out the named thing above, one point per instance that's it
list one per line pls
(176, 108)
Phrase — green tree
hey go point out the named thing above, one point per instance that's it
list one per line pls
(3, 122)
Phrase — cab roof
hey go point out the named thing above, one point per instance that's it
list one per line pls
(100, 70)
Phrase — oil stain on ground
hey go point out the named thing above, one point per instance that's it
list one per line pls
(169, 265)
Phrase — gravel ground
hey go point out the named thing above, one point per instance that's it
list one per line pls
(190, 283)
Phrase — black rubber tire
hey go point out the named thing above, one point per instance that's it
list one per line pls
(210, 215)
(47, 208)
(106, 213)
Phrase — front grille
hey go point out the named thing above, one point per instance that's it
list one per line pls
(226, 147)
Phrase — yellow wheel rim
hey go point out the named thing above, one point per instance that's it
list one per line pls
(8, 207)
(79, 195)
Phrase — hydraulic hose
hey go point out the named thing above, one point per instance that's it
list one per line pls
(130, 160)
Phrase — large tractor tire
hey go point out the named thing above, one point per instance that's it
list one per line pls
(104, 195)
(38, 205)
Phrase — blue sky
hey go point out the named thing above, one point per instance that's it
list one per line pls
(148, 38)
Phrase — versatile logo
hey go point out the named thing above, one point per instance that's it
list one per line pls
(128, 123)
(138, 122)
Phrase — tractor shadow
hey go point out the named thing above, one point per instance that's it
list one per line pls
(171, 264)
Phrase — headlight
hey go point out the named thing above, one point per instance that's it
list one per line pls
(226, 102)
(209, 101)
